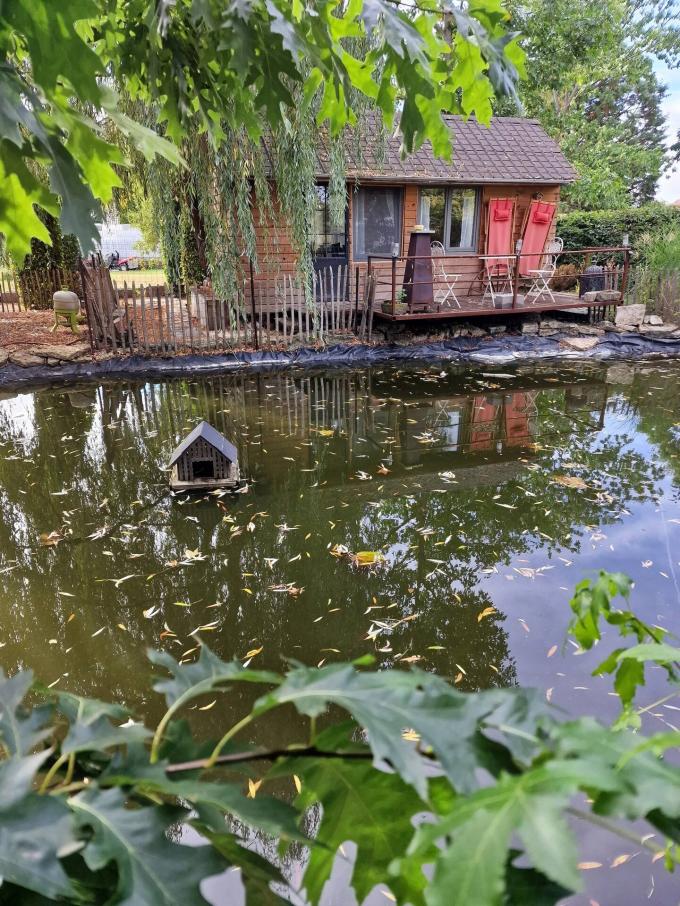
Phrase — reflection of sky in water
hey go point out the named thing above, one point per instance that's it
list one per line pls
(451, 475)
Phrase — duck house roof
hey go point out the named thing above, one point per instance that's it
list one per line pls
(210, 435)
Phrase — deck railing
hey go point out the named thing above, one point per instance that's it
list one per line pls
(465, 284)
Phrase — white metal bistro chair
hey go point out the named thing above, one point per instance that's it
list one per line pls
(442, 274)
(541, 277)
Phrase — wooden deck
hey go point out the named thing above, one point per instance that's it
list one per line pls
(475, 306)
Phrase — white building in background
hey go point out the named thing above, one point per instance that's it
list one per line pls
(122, 238)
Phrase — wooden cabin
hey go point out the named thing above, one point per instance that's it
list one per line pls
(204, 459)
(387, 196)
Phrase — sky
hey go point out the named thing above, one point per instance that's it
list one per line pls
(669, 186)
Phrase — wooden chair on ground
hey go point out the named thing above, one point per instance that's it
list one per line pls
(442, 273)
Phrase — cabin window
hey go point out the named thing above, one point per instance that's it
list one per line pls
(453, 215)
(376, 218)
(203, 468)
(329, 238)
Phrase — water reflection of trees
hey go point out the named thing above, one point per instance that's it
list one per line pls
(448, 474)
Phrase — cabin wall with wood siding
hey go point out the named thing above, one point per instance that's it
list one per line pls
(277, 257)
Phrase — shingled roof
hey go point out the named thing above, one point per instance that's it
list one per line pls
(206, 431)
(510, 150)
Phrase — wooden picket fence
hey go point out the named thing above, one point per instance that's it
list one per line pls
(159, 319)
(34, 289)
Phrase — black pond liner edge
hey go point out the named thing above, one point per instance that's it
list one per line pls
(507, 350)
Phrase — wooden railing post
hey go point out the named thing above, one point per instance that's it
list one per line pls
(356, 296)
(626, 271)
(394, 285)
(515, 275)
(252, 303)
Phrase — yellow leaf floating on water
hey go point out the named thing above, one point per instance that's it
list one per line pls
(368, 558)
(253, 787)
(571, 481)
(298, 784)
(485, 613)
(254, 651)
(208, 707)
(586, 866)
(552, 650)
(621, 860)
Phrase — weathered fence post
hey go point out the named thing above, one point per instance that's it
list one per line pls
(252, 304)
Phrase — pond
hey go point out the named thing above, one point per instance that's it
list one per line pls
(489, 493)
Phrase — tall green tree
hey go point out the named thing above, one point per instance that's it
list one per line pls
(591, 82)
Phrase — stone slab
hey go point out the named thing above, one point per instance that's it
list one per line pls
(26, 359)
(630, 315)
(654, 320)
(580, 343)
(658, 329)
(63, 353)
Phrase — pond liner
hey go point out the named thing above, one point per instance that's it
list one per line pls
(504, 350)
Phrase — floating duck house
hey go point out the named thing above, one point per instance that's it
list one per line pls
(205, 459)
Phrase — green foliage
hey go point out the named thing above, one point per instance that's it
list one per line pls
(588, 229)
(591, 604)
(89, 813)
(591, 81)
(206, 68)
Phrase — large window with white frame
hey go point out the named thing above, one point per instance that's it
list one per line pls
(376, 221)
(452, 214)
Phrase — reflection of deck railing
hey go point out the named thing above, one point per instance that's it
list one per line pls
(450, 285)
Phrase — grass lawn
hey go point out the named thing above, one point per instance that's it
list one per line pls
(139, 278)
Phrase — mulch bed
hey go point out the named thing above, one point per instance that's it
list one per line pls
(24, 329)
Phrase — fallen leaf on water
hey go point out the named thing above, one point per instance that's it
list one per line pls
(586, 866)
(647, 563)
(485, 613)
(254, 651)
(621, 860)
(571, 481)
(552, 650)
(208, 707)
(298, 784)
(367, 558)
(51, 539)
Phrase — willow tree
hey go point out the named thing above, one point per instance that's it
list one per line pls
(214, 79)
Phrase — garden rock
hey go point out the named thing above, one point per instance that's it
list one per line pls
(496, 329)
(4, 355)
(658, 329)
(25, 359)
(654, 320)
(580, 343)
(530, 327)
(630, 316)
(63, 353)
(609, 295)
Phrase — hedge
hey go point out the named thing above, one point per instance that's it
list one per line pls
(586, 229)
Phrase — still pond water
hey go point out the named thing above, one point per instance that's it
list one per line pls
(483, 489)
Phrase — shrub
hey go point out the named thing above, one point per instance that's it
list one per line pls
(586, 229)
